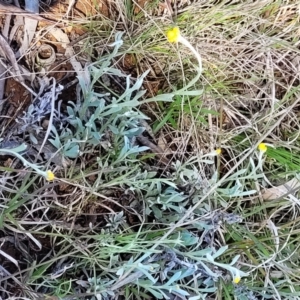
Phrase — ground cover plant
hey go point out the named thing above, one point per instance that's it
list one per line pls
(170, 169)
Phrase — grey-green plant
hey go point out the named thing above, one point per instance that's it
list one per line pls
(96, 115)
(116, 258)
(183, 265)
(20, 152)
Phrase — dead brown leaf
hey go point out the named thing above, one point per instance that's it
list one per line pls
(280, 191)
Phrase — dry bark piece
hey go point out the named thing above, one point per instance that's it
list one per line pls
(29, 28)
(7, 51)
(280, 191)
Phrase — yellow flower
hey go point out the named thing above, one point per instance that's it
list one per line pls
(236, 279)
(262, 147)
(49, 175)
(218, 151)
(173, 35)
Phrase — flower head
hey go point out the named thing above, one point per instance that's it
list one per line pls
(236, 279)
(173, 35)
(49, 175)
(262, 147)
(218, 151)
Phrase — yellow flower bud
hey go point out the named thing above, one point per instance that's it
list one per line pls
(218, 151)
(173, 35)
(236, 279)
(262, 147)
(49, 175)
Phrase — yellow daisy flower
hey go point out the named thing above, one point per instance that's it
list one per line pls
(49, 175)
(262, 147)
(173, 35)
(236, 279)
(218, 151)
